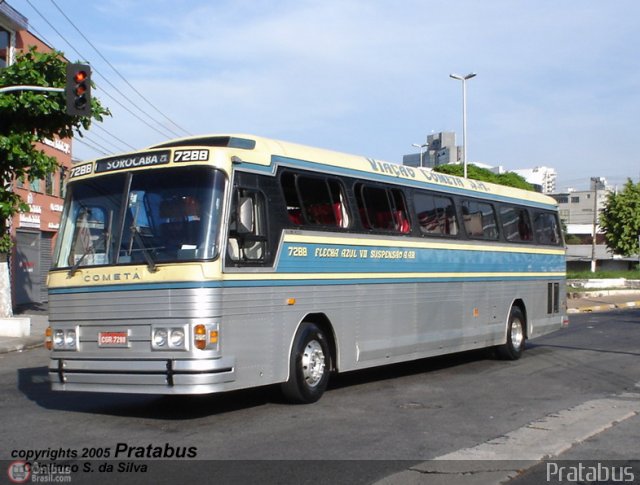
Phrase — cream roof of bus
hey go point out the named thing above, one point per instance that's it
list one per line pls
(265, 148)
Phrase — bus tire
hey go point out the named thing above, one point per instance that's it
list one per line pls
(513, 348)
(309, 365)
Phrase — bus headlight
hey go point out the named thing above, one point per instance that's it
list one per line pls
(70, 339)
(64, 339)
(176, 338)
(58, 339)
(159, 338)
(168, 338)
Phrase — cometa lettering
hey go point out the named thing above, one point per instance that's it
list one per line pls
(101, 278)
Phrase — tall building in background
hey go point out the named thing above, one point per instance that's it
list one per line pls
(543, 178)
(33, 232)
(440, 149)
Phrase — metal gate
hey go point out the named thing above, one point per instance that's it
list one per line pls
(27, 278)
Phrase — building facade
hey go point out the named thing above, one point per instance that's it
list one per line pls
(543, 178)
(580, 212)
(440, 149)
(33, 233)
(581, 207)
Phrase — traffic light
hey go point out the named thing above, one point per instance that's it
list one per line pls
(78, 89)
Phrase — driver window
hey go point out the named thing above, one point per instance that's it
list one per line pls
(247, 241)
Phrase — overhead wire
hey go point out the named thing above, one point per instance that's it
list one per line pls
(104, 139)
(81, 56)
(185, 132)
(95, 125)
(92, 145)
(99, 127)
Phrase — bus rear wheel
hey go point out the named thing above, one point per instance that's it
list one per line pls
(513, 348)
(309, 365)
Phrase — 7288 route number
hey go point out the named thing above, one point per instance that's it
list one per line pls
(191, 155)
(297, 251)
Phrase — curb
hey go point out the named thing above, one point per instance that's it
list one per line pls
(18, 345)
(605, 307)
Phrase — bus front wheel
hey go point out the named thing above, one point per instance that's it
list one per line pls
(309, 365)
(513, 348)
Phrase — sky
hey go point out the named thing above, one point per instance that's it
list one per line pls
(557, 85)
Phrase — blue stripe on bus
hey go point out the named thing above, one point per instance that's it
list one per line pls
(344, 258)
(291, 282)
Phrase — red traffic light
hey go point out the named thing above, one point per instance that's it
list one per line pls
(80, 76)
(78, 89)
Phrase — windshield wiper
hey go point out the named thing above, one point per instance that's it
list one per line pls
(146, 253)
(73, 270)
(106, 236)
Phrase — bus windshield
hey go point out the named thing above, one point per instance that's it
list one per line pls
(148, 217)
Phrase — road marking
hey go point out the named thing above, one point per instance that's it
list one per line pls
(505, 457)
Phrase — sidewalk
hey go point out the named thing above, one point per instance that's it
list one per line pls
(602, 301)
(584, 302)
(39, 323)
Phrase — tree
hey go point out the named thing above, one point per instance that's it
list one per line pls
(474, 172)
(27, 117)
(620, 220)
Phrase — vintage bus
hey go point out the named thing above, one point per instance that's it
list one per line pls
(213, 263)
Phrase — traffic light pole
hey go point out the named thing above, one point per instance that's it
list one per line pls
(9, 89)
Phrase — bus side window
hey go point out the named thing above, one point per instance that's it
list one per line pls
(247, 241)
(436, 214)
(382, 208)
(479, 220)
(314, 200)
(516, 225)
(547, 228)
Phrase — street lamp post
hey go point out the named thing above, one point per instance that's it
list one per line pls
(464, 115)
(421, 147)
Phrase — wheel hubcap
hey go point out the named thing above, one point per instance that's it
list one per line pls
(313, 363)
(517, 334)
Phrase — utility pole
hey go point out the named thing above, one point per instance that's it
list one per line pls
(464, 80)
(594, 181)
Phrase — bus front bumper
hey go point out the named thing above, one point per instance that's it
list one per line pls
(160, 376)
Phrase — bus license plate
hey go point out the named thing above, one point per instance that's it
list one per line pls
(113, 339)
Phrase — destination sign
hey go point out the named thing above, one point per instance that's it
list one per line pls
(124, 162)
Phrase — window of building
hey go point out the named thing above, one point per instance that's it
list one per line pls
(61, 181)
(436, 214)
(35, 185)
(516, 224)
(575, 200)
(5, 45)
(382, 208)
(479, 220)
(49, 184)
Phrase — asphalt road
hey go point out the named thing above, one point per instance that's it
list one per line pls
(369, 425)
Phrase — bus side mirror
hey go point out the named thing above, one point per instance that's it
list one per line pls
(245, 215)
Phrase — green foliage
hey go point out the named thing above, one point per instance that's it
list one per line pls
(633, 274)
(620, 220)
(27, 117)
(474, 172)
